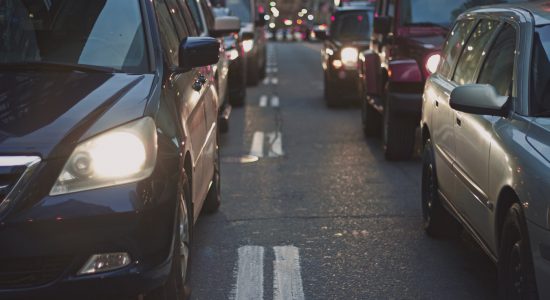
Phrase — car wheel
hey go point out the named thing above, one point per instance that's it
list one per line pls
(237, 99)
(177, 285)
(516, 279)
(372, 123)
(437, 221)
(213, 199)
(398, 135)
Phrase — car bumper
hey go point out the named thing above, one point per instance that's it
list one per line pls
(346, 81)
(237, 76)
(47, 244)
(540, 248)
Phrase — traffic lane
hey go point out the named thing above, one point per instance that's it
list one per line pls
(355, 218)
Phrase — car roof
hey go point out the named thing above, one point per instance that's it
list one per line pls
(540, 10)
(355, 6)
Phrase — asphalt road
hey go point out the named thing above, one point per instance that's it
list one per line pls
(320, 214)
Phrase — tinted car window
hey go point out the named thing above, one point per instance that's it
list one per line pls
(177, 18)
(195, 11)
(541, 70)
(473, 51)
(241, 9)
(351, 26)
(453, 46)
(107, 33)
(169, 38)
(498, 68)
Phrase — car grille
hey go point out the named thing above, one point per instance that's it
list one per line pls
(29, 272)
(14, 169)
(8, 178)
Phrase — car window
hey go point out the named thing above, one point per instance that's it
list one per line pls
(540, 70)
(191, 27)
(498, 68)
(207, 10)
(195, 11)
(168, 36)
(352, 25)
(473, 52)
(177, 19)
(453, 46)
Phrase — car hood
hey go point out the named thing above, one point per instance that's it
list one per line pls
(48, 113)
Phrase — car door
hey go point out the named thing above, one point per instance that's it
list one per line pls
(476, 133)
(179, 86)
(438, 90)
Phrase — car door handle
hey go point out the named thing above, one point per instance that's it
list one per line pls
(458, 122)
(436, 103)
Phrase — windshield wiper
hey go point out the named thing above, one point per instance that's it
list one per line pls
(33, 65)
(419, 24)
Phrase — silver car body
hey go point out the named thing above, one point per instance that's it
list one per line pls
(482, 162)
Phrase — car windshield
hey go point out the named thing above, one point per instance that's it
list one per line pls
(541, 70)
(354, 25)
(97, 33)
(438, 12)
(241, 9)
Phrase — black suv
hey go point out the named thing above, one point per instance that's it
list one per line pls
(108, 147)
(349, 35)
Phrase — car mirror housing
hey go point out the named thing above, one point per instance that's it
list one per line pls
(382, 25)
(226, 25)
(479, 99)
(198, 52)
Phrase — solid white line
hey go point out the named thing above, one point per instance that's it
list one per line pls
(250, 273)
(274, 70)
(274, 80)
(266, 80)
(275, 101)
(263, 101)
(276, 142)
(287, 280)
(257, 148)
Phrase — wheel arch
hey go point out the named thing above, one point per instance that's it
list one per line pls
(506, 198)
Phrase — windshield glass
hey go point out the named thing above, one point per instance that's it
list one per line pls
(353, 25)
(541, 69)
(438, 12)
(103, 33)
(241, 9)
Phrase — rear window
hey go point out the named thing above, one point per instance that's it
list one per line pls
(353, 25)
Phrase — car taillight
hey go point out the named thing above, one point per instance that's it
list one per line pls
(432, 62)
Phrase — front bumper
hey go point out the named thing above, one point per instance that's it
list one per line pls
(345, 81)
(44, 246)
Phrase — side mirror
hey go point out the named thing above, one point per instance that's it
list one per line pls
(479, 99)
(321, 34)
(198, 52)
(226, 25)
(260, 22)
(382, 25)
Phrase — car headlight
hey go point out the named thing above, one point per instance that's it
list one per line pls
(349, 56)
(248, 45)
(432, 63)
(121, 155)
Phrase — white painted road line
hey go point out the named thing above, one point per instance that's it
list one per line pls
(250, 274)
(276, 142)
(266, 80)
(274, 80)
(257, 148)
(275, 101)
(263, 101)
(287, 280)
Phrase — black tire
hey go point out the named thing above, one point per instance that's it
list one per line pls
(238, 99)
(213, 199)
(398, 135)
(253, 72)
(263, 68)
(437, 221)
(330, 97)
(177, 284)
(516, 277)
(372, 121)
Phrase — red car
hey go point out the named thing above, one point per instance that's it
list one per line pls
(408, 36)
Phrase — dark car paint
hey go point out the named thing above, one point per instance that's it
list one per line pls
(71, 107)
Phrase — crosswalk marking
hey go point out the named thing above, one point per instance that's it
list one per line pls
(257, 148)
(287, 278)
(276, 142)
(250, 273)
(263, 101)
(275, 101)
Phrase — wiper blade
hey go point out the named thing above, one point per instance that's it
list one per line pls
(30, 65)
(420, 24)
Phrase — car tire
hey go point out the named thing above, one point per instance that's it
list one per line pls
(371, 119)
(253, 74)
(213, 199)
(263, 68)
(330, 97)
(516, 278)
(238, 99)
(177, 285)
(398, 135)
(437, 221)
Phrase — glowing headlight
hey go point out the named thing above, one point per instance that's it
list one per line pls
(248, 45)
(232, 54)
(122, 155)
(349, 56)
(432, 62)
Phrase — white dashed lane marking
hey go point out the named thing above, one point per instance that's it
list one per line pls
(250, 273)
(287, 278)
(274, 141)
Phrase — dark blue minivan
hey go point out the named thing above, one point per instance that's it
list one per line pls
(108, 147)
